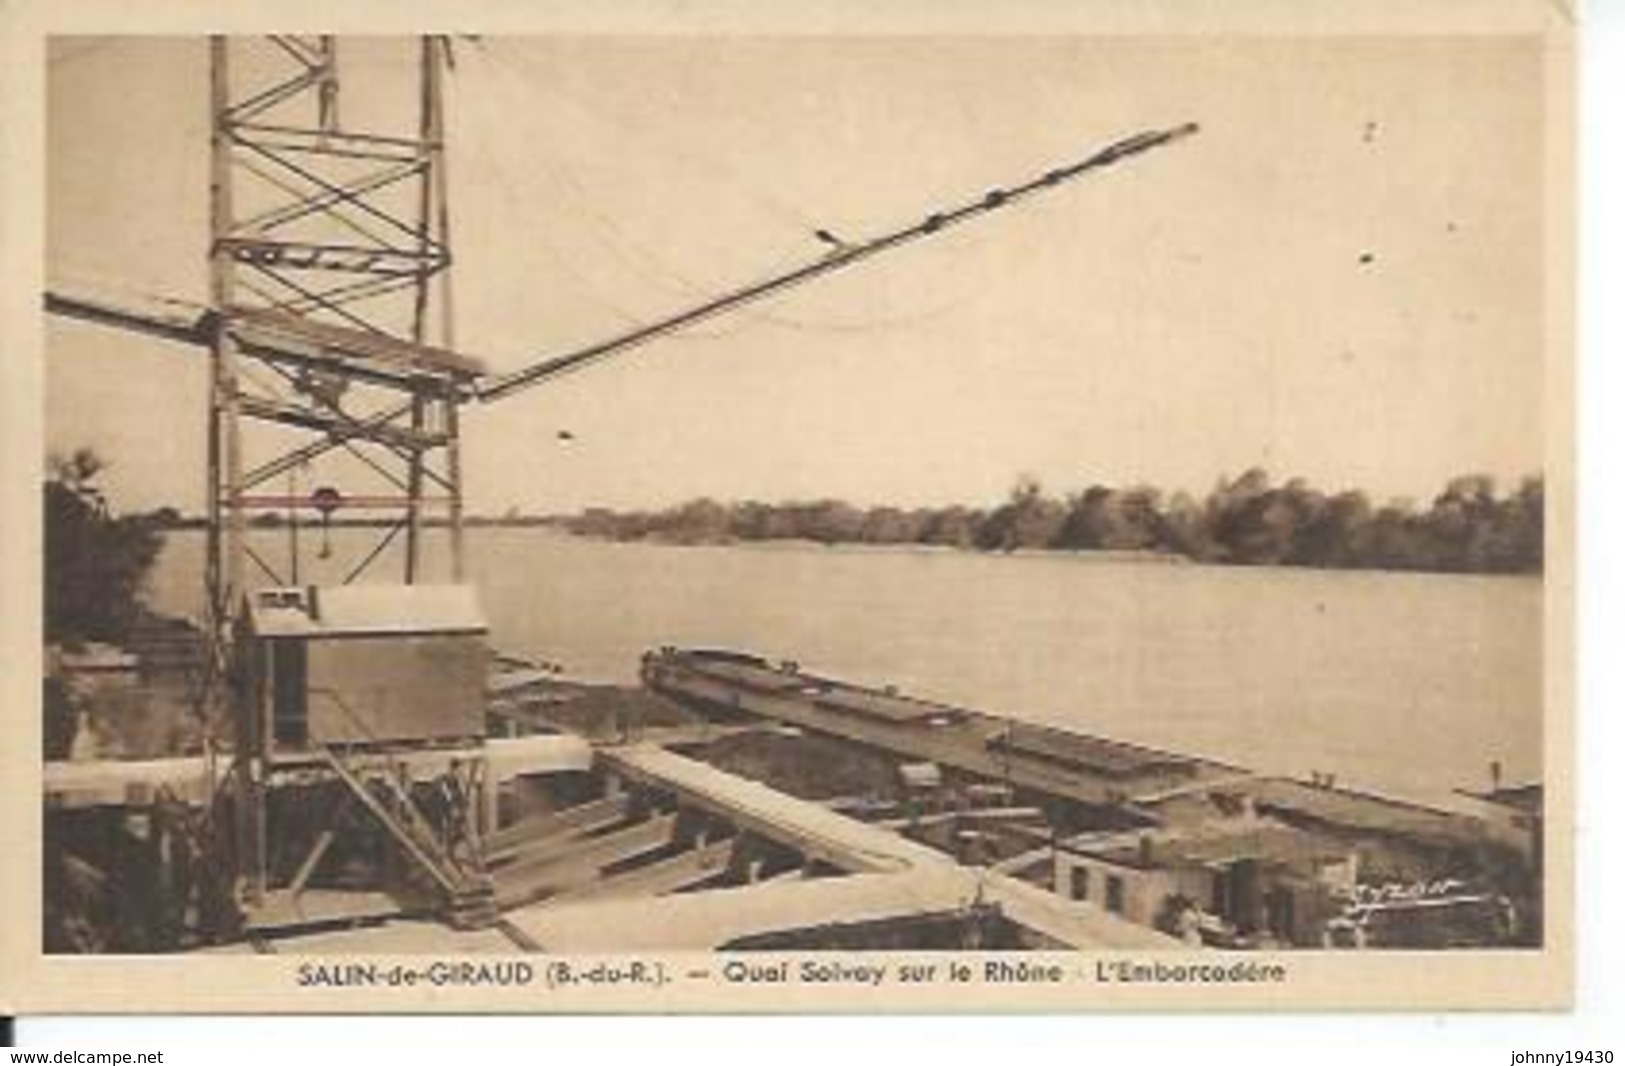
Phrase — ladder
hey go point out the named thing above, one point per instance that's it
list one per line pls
(466, 890)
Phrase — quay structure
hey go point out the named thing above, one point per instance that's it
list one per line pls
(730, 803)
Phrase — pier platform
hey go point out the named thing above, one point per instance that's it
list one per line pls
(890, 877)
(119, 782)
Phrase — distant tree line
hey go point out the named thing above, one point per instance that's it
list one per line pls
(1247, 521)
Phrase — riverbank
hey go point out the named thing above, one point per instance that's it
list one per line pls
(1082, 556)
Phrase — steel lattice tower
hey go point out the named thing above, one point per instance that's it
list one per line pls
(330, 329)
(330, 293)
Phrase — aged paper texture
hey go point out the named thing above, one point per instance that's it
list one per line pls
(690, 507)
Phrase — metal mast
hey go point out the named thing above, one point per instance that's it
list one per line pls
(330, 316)
(329, 327)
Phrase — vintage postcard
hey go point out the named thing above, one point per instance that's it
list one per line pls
(1053, 506)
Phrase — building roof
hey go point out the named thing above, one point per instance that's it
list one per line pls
(323, 341)
(1529, 798)
(1349, 808)
(749, 672)
(1113, 758)
(886, 706)
(360, 610)
(95, 657)
(1218, 843)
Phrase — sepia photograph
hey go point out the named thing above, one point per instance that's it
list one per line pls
(797, 510)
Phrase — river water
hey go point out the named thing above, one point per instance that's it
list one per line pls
(1407, 683)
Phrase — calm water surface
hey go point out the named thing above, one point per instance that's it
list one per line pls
(1409, 683)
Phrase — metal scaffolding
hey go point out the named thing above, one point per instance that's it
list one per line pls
(331, 317)
(330, 331)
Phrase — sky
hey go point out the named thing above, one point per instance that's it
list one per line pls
(1339, 278)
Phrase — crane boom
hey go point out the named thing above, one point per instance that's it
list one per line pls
(502, 386)
(489, 388)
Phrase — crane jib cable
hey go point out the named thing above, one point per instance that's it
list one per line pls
(843, 256)
(195, 327)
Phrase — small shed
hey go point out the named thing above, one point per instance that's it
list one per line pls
(363, 665)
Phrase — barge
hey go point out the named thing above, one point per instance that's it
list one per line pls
(731, 802)
(1202, 849)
